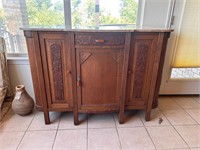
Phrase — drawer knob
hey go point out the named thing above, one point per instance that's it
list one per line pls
(99, 40)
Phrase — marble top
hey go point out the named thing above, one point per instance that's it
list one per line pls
(98, 29)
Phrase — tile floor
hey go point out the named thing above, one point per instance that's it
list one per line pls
(179, 130)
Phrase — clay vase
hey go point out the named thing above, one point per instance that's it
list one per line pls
(22, 104)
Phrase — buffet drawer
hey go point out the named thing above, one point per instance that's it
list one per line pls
(99, 39)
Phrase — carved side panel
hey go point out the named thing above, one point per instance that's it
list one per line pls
(84, 57)
(116, 56)
(56, 60)
(141, 62)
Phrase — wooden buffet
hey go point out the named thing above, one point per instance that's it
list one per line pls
(94, 71)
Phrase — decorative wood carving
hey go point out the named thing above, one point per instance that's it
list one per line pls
(116, 56)
(84, 57)
(118, 40)
(141, 61)
(56, 60)
(90, 39)
(84, 39)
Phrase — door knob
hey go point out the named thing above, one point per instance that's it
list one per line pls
(68, 72)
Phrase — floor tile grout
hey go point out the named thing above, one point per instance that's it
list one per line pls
(181, 106)
(117, 131)
(35, 111)
(182, 124)
(41, 130)
(187, 112)
(56, 131)
(181, 137)
(147, 132)
(71, 129)
(196, 99)
(87, 140)
(192, 117)
(176, 131)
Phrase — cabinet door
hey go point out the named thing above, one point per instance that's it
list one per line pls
(141, 61)
(99, 78)
(57, 69)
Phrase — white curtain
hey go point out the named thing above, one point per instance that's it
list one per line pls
(188, 45)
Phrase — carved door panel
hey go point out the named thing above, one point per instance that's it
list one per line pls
(142, 53)
(55, 49)
(99, 78)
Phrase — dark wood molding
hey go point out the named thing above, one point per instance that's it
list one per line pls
(28, 34)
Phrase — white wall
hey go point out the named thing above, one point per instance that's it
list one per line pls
(19, 73)
(156, 13)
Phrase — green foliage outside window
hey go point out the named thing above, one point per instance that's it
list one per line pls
(83, 13)
(45, 13)
(1, 18)
(128, 11)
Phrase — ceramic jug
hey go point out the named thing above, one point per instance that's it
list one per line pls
(22, 104)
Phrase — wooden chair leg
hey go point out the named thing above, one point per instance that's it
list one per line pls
(76, 121)
(46, 117)
(121, 117)
(148, 115)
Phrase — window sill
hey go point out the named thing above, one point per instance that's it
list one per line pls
(184, 80)
(18, 60)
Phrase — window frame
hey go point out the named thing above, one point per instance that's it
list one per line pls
(68, 23)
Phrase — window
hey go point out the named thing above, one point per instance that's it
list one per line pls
(124, 15)
(16, 14)
(185, 73)
(106, 13)
(83, 13)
